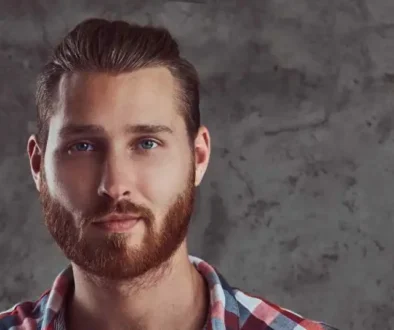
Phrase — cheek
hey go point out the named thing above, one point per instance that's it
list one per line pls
(72, 185)
(161, 183)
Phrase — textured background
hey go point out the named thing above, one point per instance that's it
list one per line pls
(298, 95)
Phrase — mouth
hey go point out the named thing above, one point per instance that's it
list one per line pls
(117, 223)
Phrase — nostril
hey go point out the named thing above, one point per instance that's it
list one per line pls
(113, 192)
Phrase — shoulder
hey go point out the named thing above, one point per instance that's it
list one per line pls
(258, 313)
(25, 315)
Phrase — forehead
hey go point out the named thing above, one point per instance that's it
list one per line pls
(145, 96)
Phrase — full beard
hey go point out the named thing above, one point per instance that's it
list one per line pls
(110, 256)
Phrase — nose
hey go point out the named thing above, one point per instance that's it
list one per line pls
(115, 180)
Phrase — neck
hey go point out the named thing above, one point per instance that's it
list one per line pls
(171, 297)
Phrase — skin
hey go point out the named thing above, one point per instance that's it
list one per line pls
(133, 279)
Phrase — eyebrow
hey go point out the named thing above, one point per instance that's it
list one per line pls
(74, 129)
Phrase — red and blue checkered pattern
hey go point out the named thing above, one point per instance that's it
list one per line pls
(231, 309)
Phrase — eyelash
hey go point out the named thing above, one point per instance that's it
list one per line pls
(72, 146)
(139, 142)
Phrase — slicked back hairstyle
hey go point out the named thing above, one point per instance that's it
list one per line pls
(102, 46)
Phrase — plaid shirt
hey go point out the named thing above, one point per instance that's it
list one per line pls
(230, 308)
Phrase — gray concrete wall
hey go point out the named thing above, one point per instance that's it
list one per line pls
(298, 95)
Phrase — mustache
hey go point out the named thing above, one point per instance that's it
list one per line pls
(122, 207)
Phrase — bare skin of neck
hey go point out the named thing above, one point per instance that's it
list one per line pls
(174, 297)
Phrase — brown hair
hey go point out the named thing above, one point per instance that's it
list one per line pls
(99, 45)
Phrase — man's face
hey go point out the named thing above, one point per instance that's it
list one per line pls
(118, 146)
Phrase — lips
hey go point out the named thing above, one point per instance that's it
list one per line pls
(118, 217)
(117, 223)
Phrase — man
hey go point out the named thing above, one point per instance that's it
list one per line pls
(118, 154)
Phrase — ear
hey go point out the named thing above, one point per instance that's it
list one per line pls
(35, 157)
(202, 151)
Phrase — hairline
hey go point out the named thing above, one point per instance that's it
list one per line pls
(54, 93)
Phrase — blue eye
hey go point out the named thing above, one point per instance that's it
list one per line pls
(82, 146)
(148, 144)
